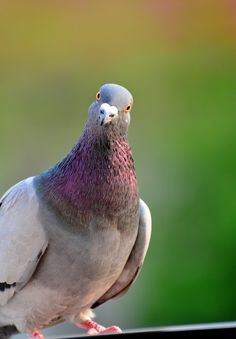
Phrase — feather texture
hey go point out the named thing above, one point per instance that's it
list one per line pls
(22, 238)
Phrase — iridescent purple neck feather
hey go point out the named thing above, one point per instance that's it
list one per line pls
(96, 177)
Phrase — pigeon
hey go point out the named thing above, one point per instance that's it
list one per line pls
(76, 235)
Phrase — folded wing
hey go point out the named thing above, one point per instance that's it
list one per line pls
(22, 238)
(135, 260)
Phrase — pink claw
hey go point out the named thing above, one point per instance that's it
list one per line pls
(112, 329)
(94, 328)
(92, 331)
(36, 335)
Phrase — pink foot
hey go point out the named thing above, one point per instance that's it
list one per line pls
(92, 331)
(112, 329)
(36, 335)
(94, 328)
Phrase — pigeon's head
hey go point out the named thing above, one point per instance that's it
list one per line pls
(111, 109)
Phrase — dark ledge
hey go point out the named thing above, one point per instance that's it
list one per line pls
(224, 330)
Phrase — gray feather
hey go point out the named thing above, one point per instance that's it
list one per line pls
(135, 260)
(22, 238)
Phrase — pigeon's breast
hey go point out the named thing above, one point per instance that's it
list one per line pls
(80, 265)
(81, 261)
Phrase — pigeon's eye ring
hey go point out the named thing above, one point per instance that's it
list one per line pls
(127, 108)
(98, 96)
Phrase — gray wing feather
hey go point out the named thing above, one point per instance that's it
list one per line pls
(135, 260)
(22, 238)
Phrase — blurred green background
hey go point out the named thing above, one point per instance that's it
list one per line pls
(178, 58)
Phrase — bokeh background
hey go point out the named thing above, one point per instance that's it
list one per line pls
(178, 58)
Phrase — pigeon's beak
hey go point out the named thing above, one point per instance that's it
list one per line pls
(107, 113)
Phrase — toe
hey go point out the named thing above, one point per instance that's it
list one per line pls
(36, 335)
(112, 329)
(92, 331)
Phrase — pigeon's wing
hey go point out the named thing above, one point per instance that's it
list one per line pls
(22, 238)
(135, 260)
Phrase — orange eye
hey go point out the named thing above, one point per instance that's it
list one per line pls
(127, 108)
(98, 96)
